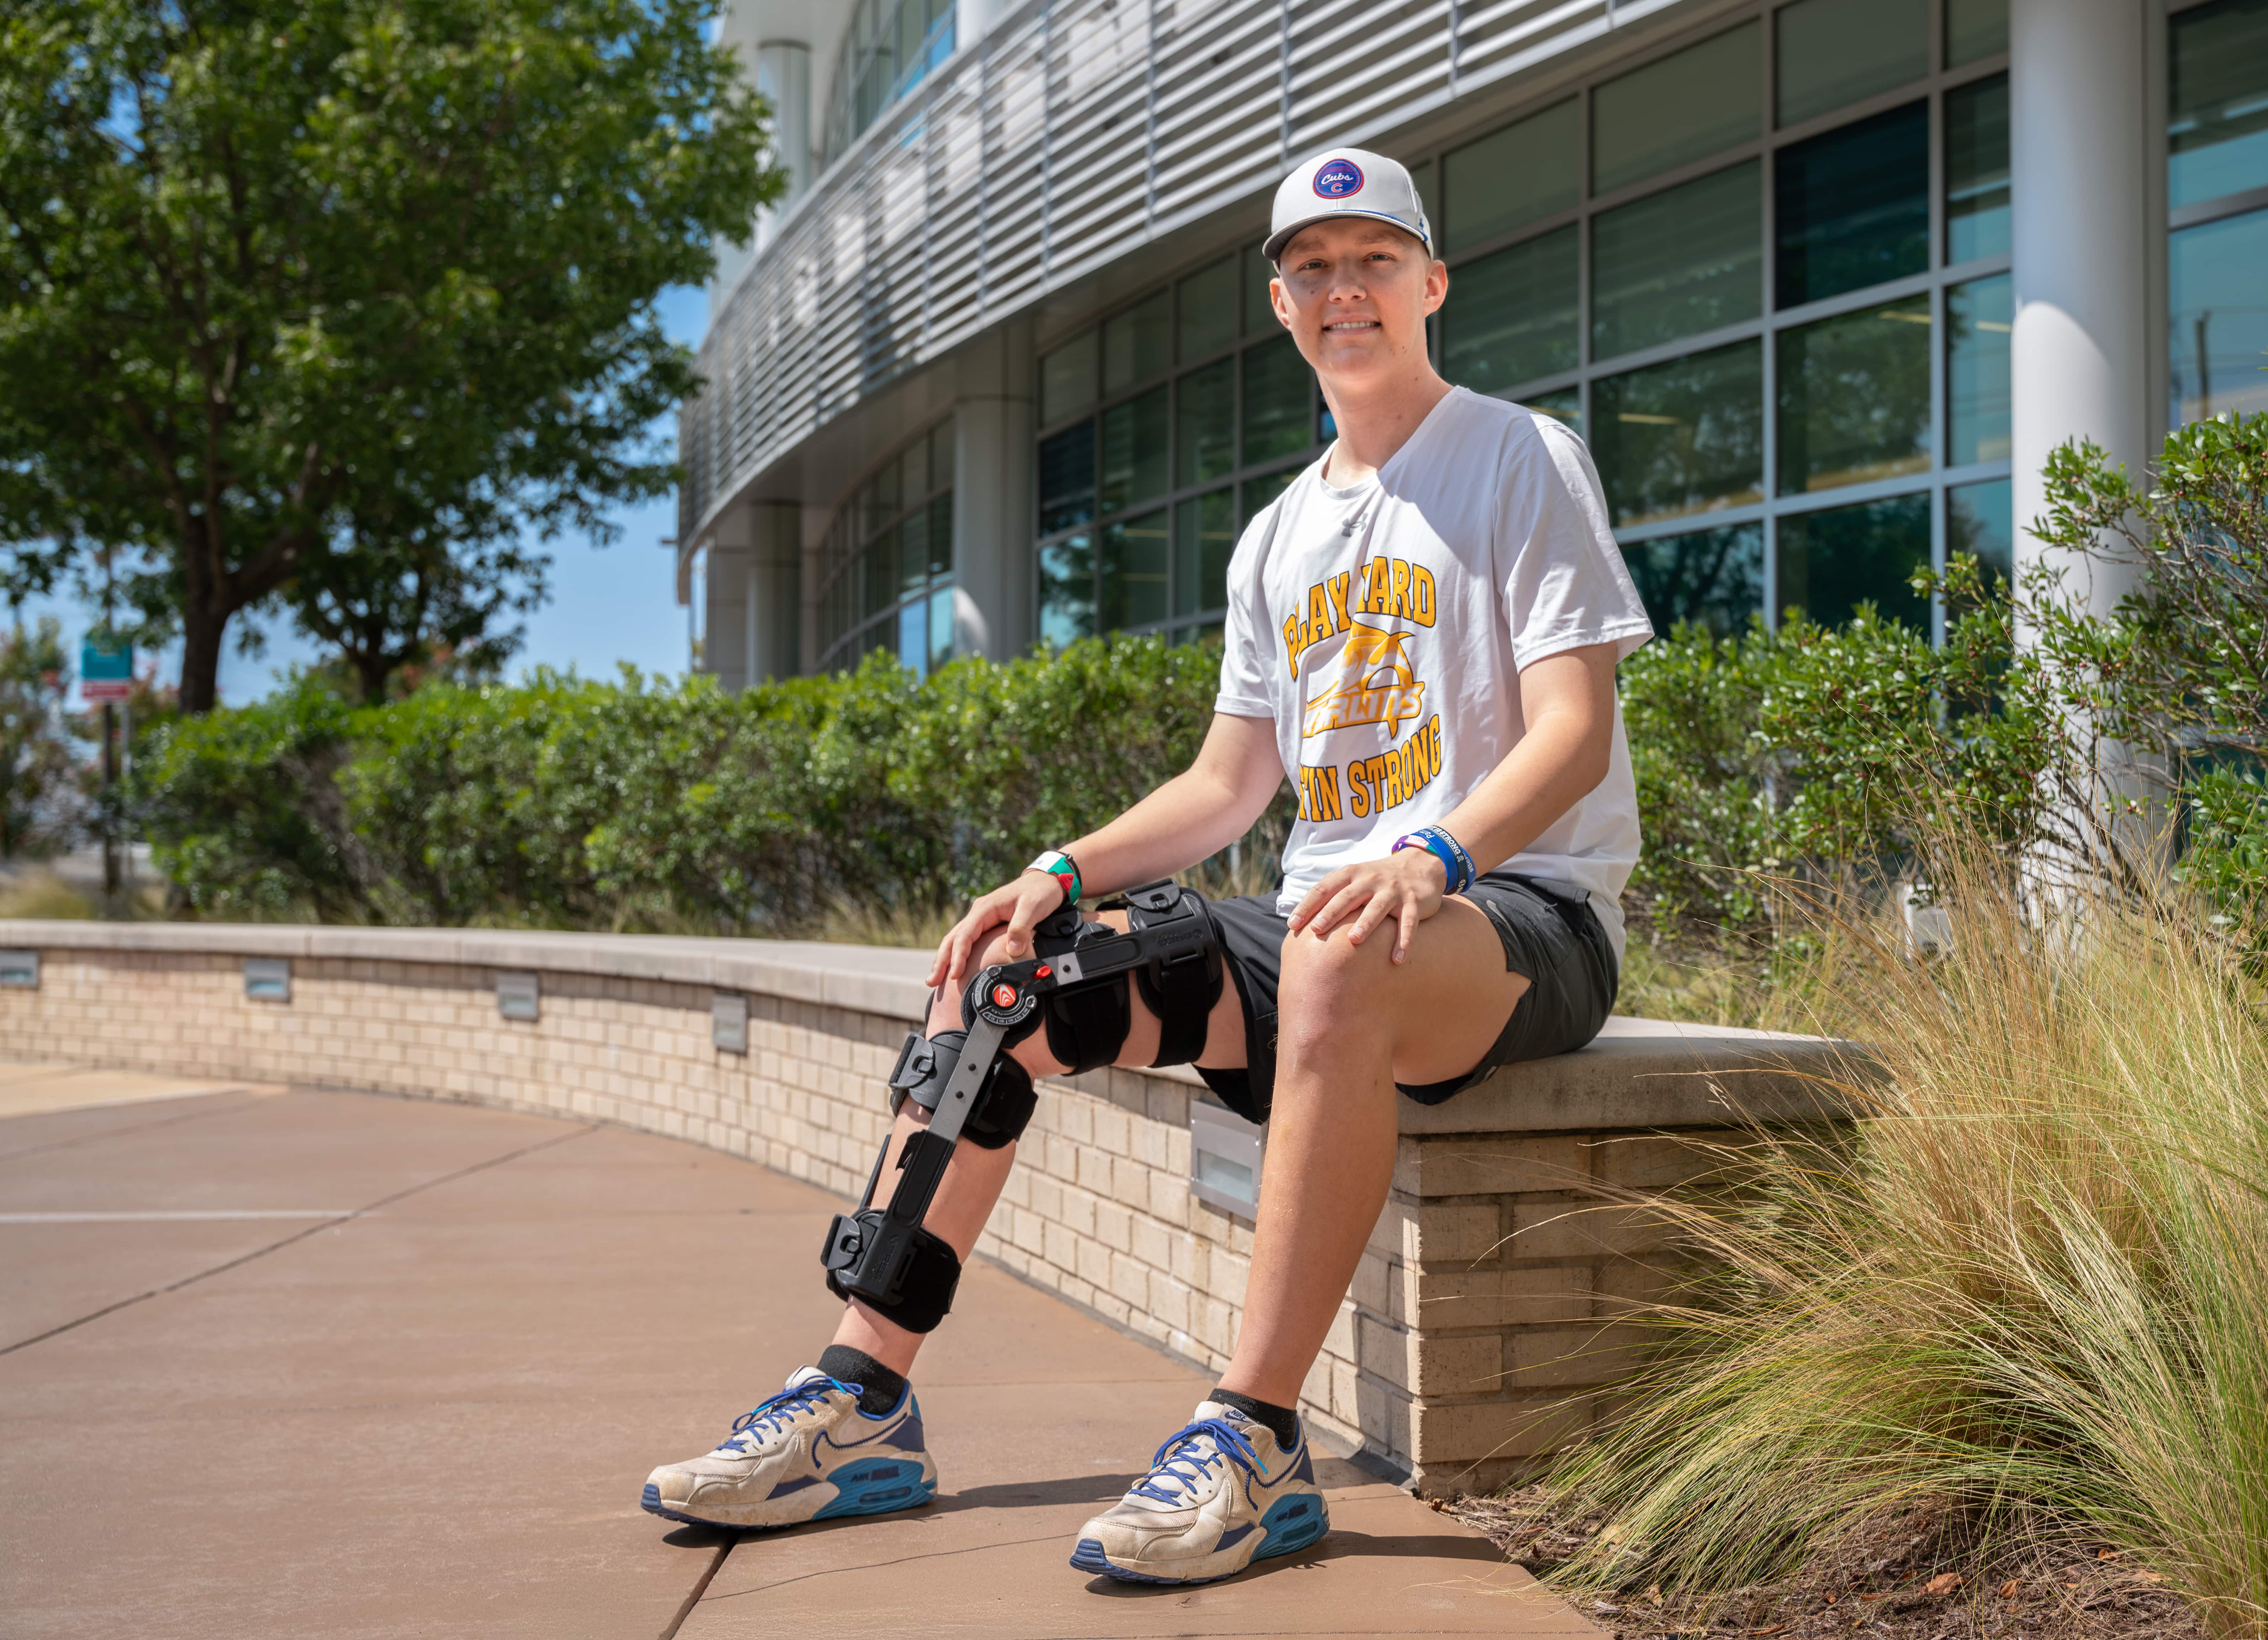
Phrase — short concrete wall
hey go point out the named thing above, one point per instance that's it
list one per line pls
(1479, 1332)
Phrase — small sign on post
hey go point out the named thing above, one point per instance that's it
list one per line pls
(105, 669)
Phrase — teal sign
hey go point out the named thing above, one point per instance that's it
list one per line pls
(105, 669)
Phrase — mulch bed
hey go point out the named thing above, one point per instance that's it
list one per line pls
(1915, 1574)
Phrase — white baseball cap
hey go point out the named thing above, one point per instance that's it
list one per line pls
(1345, 182)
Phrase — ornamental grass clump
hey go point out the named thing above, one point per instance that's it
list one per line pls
(2030, 1289)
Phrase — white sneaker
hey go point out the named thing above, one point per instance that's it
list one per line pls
(1219, 1496)
(807, 1454)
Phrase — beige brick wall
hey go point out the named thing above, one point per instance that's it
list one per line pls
(1476, 1335)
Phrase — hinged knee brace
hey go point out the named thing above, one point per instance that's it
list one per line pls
(973, 1088)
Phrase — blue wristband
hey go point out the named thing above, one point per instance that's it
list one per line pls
(1454, 861)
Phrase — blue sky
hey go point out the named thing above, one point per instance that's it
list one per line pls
(608, 604)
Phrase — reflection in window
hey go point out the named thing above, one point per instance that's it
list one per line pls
(1671, 113)
(1067, 591)
(1566, 404)
(1135, 344)
(889, 47)
(1513, 177)
(1259, 308)
(1979, 521)
(1133, 567)
(1067, 478)
(1831, 562)
(2219, 303)
(1977, 170)
(1682, 437)
(1204, 424)
(1854, 206)
(1676, 262)
(1134, 450)
(1713, 578)
(888, 555)
(1974, 30)
(1279, 400)
(1067, 381)
(1204, 535)
(1978, 317)
(1836, 52)
(1854, 398)
(1511, 317)
(1206, 311)
(2216, 124)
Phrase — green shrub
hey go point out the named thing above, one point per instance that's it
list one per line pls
(565, 802)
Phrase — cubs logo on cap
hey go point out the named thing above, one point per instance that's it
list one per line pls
(1346, 182)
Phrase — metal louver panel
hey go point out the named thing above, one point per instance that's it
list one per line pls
(1071, 134)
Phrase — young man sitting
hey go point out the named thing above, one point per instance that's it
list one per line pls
(1423, 631)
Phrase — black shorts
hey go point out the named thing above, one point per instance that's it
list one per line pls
(1550, 935)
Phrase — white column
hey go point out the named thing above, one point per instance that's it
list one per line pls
(2079, 153)
(725, 643)
(776, 591)
(994, 501)
(784, 79)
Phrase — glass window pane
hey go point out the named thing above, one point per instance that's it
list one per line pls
(1067, 381)
(1510, 177)
(1279, 397)
(1067, 478)
(1566, 405)
(1978, 316)
(1429, 198)
(1207, 316)
(1067, 591)
(1204, 534)
(1678, 110)
(1977, 170)
(887, 500)
(1835, 52)
(1854, 206)
(1682, 261)
(1134, 448)
(1136, 344)
(913, 636)
(882, 574)
(1134, 554)
(2219, 307)
(913, 551)
(1511, 317)
(1854, 398)
(1974, 29)
(940, 535)
(1714, 578)
(2217, 129)
(940, 455)
(1683, 437)
(941, 627)
(1980, 521)
(1259, 313)
(1256, 493)
(1830, 562)
(1204, 424)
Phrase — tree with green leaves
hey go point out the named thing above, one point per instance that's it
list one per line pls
(268, 266)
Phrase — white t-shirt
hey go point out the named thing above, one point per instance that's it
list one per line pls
(1383, 627)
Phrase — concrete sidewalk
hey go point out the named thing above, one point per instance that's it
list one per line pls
(328, 1365)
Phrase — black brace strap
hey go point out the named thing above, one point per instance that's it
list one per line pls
(1182, 980)
(1005, 1101)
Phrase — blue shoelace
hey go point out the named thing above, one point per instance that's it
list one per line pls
(1228, 1442)
(752, 1425)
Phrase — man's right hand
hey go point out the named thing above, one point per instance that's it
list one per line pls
(1020, 905)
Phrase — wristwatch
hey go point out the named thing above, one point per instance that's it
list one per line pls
(1061, 866)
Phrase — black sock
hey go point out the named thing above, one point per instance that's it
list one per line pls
(1280, 1422)
(878, 1387)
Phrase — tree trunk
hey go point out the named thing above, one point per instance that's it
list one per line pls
(200, 636)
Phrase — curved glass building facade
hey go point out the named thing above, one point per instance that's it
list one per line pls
(1007, 374)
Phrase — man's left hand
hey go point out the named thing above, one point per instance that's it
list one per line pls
(1406, 886)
